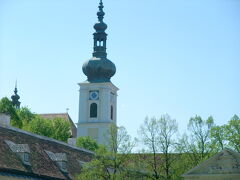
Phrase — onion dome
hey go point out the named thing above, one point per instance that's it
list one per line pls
(99, 68)
(15, 98)
(100, 27)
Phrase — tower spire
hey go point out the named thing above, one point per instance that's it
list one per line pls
(15, 90)
(101, 12)
(99, 68)
(15, 98)
(100, 37)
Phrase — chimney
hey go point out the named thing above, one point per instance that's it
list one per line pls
(4, 119)
(72, 141)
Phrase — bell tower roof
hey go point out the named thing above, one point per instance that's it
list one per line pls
(99, 68)
(15, 98)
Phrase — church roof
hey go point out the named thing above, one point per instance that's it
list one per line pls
(46, 156)
(226, 162)
(63, 116)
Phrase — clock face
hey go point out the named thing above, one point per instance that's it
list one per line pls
(94, 95)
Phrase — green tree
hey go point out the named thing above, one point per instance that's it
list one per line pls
(185, 156)
(158, 136)
(199, 146)
(111, 162)
(120, 147)
(56, 128)
(61, 129)
(23, 118)
(40, 126)
(218, 137)
(233, 133)
(97, 168)
(87, 143)
(7, 107)
(25, 115)
(149, 136)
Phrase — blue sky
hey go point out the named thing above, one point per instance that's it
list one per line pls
(180, 57)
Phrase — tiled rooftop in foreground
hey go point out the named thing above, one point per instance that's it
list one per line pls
(30, 156)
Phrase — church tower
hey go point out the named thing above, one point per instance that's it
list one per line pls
(98, 95)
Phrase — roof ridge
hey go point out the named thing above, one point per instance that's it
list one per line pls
(52, 113)
(25, 175)
(56, 114)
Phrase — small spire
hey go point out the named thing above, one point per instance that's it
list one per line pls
(101, 4)
(15, 91)
(100, 12)
(15, 98)
(100, 37)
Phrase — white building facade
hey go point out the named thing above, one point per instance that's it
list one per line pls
(98, 95)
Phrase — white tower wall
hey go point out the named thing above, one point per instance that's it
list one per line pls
(97, 127)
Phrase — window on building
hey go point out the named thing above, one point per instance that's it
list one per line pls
(93, 110)
(64, 165)
(111, 112)
(26, 157)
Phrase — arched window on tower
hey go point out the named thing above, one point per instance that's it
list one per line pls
(111, 112)
(93, 110)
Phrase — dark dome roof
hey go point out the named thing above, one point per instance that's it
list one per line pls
(99, 69)
(16, 96)
(100, 27)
